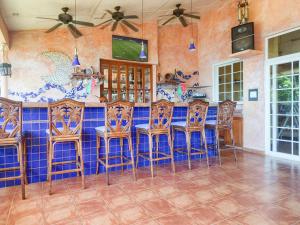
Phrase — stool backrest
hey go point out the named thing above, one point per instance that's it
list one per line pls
(10, 118)
(65, 117)
(118, 116)
(225, 113)
(161, 115)
(197, 112)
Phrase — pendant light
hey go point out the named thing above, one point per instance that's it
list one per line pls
(192, 46)
(75, 62)
(142, 52)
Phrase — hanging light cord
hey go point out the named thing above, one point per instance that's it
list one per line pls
(192, 19)
(142, 19)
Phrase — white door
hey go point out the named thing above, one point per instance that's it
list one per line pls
(283, 106)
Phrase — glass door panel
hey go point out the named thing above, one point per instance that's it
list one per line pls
(123, 82)
(284, 107)
(114, 83)
(105, 72)
(140, 86)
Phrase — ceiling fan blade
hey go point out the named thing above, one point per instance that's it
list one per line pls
(54, 27)
(83, 23)
(106, 25)
(114, 26)
(76, 33)
(110, 12)
(172, 18)
(46, 18)
(182, 21)
(192, 16)
(124, 28)
(131, 17)
(130, 25)
(166, 15)
(104, 22)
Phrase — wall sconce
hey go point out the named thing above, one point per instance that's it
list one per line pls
(243, 11)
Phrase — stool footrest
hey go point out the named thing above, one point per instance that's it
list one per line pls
(11, 178)
(65, 171)
(64, 162)
(9, 169)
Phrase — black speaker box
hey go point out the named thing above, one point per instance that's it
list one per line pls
(242, 37)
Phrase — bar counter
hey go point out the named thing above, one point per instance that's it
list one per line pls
(35, 123)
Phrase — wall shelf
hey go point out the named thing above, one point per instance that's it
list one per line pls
(246, 54)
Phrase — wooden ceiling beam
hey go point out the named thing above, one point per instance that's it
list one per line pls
(4, 34)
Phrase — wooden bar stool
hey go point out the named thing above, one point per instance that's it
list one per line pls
(159, 124)
(118, 121)
(11, 136)
(195, 122)
(65, 125)
(223, 124)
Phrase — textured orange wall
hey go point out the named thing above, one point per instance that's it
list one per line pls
(214, 29)
(173, 42)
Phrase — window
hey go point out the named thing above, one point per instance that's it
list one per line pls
(229, 81)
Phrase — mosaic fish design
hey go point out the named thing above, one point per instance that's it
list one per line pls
(63, 68)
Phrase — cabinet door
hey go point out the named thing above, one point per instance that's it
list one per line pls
(139, 85)
(147, 84)
(104, 89)
(123, 82)
(131, 83)
(114, 83)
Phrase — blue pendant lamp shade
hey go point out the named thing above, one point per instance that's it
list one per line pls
(76, 62)
(142, 53)
(192, 46)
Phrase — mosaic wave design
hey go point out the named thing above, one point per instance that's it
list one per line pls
(78, 92)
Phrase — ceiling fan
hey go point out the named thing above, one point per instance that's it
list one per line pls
(66, 18)
(179, 13)
(117, 17)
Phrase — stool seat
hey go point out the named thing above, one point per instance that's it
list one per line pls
(179, 124)
(211, 122)
(100, 129)
(144, 126)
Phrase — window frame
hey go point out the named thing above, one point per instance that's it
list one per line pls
(216, 79)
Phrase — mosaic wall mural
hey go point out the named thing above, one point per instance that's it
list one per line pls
(56, 84)
(170, 91)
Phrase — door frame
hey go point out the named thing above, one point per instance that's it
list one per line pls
(267, 64)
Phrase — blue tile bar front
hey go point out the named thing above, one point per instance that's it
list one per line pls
(35, 123)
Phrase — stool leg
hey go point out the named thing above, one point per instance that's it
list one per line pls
(188, 145)
(20, 155)
(205, 146)
(233, 144)
(50, 166)
(79, 143)
(77, 156)
(25, 160)
(171, 151)
(156, 148)
(218, 146)
(48, 158)
(151, 154)
(106, 159)
(97, 153)
(121, 146)
(132, 158)
(137, 148)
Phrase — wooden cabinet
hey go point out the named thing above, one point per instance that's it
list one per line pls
(237, 132)
(126, 81)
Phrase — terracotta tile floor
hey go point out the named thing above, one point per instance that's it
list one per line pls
(260, 190)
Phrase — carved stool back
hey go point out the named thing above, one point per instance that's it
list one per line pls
(224, 123)
(118, 121)
(195, 122)
(11, 135)
(161, 113)
(65, 125)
